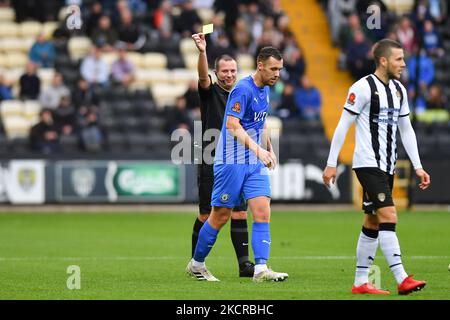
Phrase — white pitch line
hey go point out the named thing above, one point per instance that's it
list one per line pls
(149, 258)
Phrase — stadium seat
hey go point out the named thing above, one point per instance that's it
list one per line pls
(11, 44)
(9, 29)
(19, 144)
(158, 140)
(116, 141)
(4, 144)
(122, 108)
(150, 77)
(3, 61)
(16, 45)
(245, 61)
(31, 109)
(11, 108)
(169, 46)
(16, 59)
(110, 57)
(69, 143)
(62, 60)
(16, 126)
(48, 28)
(70, 75)
(46, 75)
(30, 29)
(190, 60)
(443, 140)
(154, 60)
(62, 14)
(165, 94)
(274, 126)
(243, 73)
(427, 144)
(79, 47)
(144, 108)
(174, 60)
(13, 75)
(136, 59)
(183, 76)
(137, 142)
(7, 14)
(187, 46)
(400, 7)
(206, 14)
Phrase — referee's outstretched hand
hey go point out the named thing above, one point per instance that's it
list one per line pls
(424, 179)
(200, 42)
(329, 176)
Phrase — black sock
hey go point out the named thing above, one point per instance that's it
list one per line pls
(239, 237)
(195, 231)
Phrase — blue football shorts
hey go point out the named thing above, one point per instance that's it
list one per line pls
(232, 180)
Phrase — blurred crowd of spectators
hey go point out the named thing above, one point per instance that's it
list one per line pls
(240, 27)
(420, 31)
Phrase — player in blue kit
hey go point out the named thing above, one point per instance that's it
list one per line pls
(243, 156)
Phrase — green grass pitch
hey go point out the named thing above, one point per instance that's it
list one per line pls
(143, 256)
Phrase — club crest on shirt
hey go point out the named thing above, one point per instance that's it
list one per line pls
(381, 197)
(351, 99)
(399, 95)
(236, 107)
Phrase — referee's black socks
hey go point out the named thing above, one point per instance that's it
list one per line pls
(195, 231)
(239, 237)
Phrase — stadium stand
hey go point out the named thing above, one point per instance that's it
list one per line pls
(164, 58)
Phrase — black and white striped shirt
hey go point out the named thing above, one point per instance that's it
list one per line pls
(378, 106)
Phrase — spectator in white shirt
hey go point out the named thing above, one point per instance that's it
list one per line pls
(94, 70)
(51, 97)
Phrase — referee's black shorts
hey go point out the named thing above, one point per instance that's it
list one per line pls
(205, 180)
(377, 188)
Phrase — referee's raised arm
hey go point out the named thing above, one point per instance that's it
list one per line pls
(202, 65)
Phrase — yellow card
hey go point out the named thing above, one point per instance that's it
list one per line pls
(208, 28)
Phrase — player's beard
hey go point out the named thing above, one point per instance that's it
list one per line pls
(391, 75)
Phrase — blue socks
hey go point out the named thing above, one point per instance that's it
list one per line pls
(261, 242)
(206, 239)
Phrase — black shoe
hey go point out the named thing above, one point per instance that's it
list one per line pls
(246, 269)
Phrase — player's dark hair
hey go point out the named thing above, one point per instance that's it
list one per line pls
(267, 52)
(224, 57)
(383, 49)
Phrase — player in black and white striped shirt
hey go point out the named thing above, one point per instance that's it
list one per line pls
(379, 105)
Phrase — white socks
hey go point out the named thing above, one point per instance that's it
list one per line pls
(391, 250)
(365, 255)
(260, 268)
(197, 264)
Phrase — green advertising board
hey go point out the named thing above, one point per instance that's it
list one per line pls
(145, 181)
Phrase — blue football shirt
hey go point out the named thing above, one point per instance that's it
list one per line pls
(250, 104)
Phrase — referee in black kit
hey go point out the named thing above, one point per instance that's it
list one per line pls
(213, 98)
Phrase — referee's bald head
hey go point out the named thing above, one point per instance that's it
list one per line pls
(383, 48)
